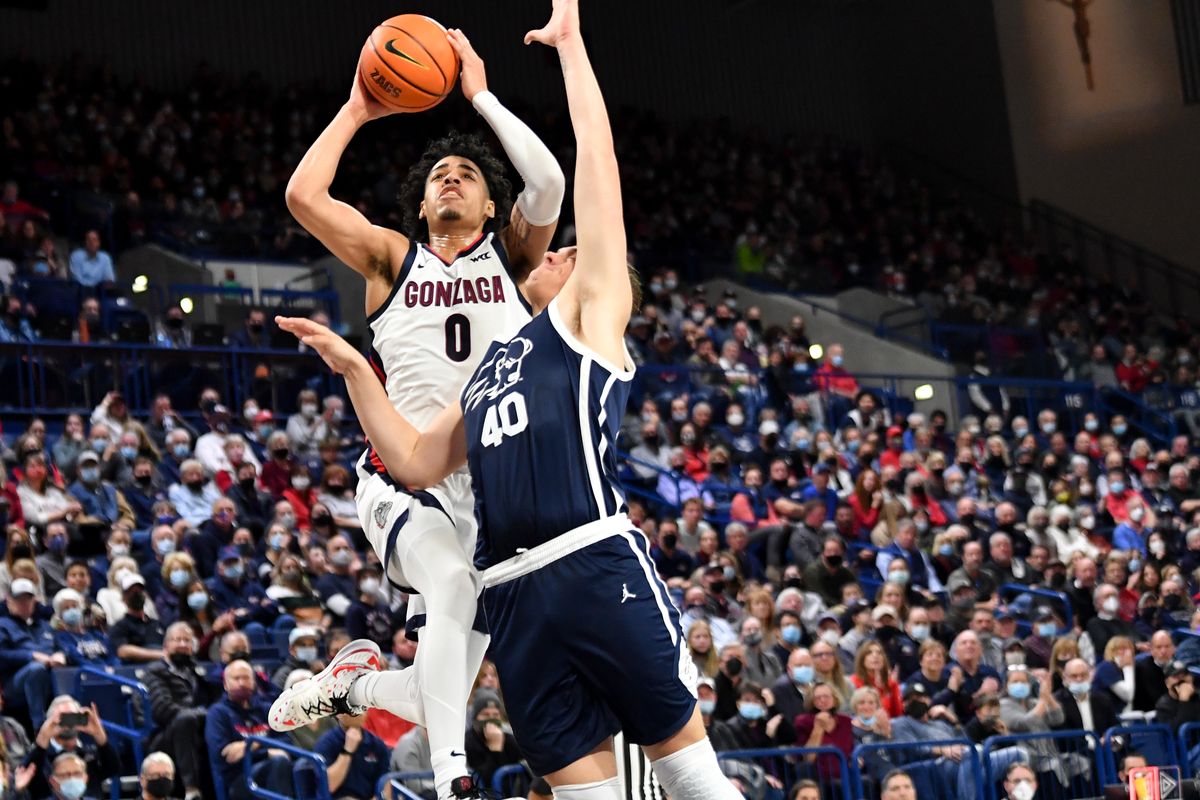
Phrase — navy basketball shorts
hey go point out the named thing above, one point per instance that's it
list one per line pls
(587, 645)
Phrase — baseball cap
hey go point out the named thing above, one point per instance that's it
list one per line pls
(1043, 612)
(484, 699)
(22, 586)
(883, 610)
(88, 455)
(303, 632)
(856, 605)
(264, 416)
(828, 616)
(1170, 670)
(229, 553)
(916, 688)
(131, 579)
(821, 469)
(895, 430)
(958, 582)
(709, 682)
(1003, 612)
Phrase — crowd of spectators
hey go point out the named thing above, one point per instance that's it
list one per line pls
(844, 568)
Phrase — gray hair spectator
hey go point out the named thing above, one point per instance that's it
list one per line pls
(157, 777)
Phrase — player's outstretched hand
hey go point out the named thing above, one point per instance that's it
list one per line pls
(563, 25)
(336, 351)
(473, 78)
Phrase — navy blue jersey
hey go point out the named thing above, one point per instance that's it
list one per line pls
(542, 413)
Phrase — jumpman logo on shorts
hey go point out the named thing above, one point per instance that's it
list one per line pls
(626, 594)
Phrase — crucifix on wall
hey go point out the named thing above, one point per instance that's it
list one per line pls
(1083, 31)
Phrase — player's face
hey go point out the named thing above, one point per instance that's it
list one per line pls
(546, 280)
(455, 191)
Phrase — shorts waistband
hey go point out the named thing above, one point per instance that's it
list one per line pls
(559, 547)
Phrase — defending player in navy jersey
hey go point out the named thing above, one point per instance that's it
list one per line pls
(585, 637)
(437, 296)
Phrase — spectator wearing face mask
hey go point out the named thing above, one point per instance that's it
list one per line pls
(335, 494)
(1180, 705)
(1020, 782)
(307, 429)
(301, 495)
(1105, 624)
(337, 586)
(240, 712)
(136, 637)
(194, 495)
(231, 590)
(761, 666)
(179, 701)
(216, 532)
(76, 636)
(757, 723)
(277, 471)
(100, 501)
(303, 653)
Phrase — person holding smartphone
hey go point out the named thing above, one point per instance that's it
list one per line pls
(72, 728)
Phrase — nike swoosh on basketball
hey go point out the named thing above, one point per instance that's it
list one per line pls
(391, 48)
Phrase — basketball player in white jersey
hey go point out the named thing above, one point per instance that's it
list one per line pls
(587, 641)
(437, 295)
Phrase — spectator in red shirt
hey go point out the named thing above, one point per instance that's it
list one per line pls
(866, 500)
(10, 503)
(1133, 373)
(895, 447)
(277, 470)
(833, 378)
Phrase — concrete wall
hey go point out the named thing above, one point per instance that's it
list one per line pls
(1124, 156)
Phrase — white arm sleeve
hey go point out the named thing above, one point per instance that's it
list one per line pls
(541, 198)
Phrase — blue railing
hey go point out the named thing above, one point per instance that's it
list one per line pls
(1188, 748)
(399, 790)
(790, 764)
(507, 781)
(1084, 767)
(1157, 743)
(320, 773)
(1002, 345)
(929, 771)
(1056, 600)
(127, 728)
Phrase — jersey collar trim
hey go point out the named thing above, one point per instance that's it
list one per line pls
(579, 347)
(466, 251)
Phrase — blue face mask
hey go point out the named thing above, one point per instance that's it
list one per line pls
(181, 451)
(836, 360)
(277, 540)
(790, 634)
(1091, 425)
(867, 722)
(900, 577)
(72, 617)
(853, 445)
(920, 632)
(1116, 487)
(164, 547)
(946, 550)
(1046, 629)
(802, 674)
(57, 545)
(306, 654)
(89, 475)
(1020, 433)
(179, 578)
(751, 711)
(802, 444)
(1119, 430)
(707, 707)
(128, 453)
(100, 445)
(1079, 689)
(72, 788)
(1018, 691)
(234, 572)
(197, 600)
(41, 269)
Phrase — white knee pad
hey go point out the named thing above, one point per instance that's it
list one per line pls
(601, 790)
(694, 774)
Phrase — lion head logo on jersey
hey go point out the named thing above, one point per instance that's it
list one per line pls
(499, 373)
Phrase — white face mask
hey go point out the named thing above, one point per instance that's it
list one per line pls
(1023, 791)
(830, 637)
(1111, 605)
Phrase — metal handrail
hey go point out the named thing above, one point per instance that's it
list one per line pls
(321, 771)
(506, 772)
(136, 736)
(999, 742)
(1128, 730)
(401, 792)
(970, 754)
(1058, 598)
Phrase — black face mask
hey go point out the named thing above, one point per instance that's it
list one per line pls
(967, 519)
(180, 659)
(893, 485)
(322, 519)
(733, 668)
(717, 587)
(239, 655)
(651, 440)
(833, 561)
(793, 583)
(255, 327)
(144, 480)
(280, 453)
(916, 709)
(159, 787)
(669, 541)
(1172, 602)
(247, 485)
(174, 323)
(22, 551)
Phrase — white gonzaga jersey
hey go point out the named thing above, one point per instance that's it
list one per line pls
(438, 322)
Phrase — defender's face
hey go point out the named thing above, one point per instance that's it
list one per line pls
(546, 280)
(454, 191)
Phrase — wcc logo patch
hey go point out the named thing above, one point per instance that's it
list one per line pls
(381, 512)
(498, 374)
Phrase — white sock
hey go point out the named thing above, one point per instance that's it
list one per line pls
(693, 774)
(394, 690)
(600, 790)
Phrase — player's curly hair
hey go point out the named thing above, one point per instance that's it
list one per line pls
(466, 145)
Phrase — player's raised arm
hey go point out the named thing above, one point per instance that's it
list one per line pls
(535, 214)
(600, 280)
(418, 459)
(349, 235)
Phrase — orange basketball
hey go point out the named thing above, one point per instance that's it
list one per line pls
(407, 64)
